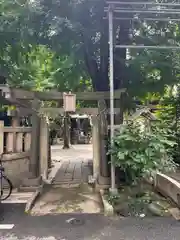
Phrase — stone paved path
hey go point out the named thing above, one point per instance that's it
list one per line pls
(69, 191)
(73, 172)
(72, 165)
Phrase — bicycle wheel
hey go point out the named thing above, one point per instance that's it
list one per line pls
(6, 187)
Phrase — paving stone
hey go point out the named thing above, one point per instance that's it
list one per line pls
(70, 168)
(76, 163)
(78, 171)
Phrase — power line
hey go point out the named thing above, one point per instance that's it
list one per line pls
(148, 46)
(164, 11)
(145, 19)
(143, 3)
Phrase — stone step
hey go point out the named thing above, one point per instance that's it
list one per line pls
(66, 184)
(27, 189)
(82, 186)
(18, 197)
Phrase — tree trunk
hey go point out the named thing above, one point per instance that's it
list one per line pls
(120, 76)
(100, 77)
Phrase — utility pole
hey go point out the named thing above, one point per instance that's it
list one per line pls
(111, 78)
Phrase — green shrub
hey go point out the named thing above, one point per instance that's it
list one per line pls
(141, 153)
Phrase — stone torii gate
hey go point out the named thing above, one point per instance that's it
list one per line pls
(29, 102)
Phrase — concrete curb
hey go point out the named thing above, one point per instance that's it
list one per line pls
(108, 208)
(33, 199)
(168, 187)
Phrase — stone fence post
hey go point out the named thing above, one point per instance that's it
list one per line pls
(96, 147)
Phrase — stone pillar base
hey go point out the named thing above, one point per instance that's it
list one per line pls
(31, 182)
(104, 180)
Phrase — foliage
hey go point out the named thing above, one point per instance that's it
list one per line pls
(168, 114)
(77, 33)
(79, 27)
(25, 56)
(140, 153)
(64, 45)
(113, 198)
(39, 68)
(139, 200)
(153, 69)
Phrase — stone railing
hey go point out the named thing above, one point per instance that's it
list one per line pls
(15, 144)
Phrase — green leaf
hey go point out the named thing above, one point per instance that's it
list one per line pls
(121, 155)
(170, 143)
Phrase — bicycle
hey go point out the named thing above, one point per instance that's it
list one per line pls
(6, 185)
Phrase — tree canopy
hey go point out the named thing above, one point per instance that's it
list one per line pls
(64, 44)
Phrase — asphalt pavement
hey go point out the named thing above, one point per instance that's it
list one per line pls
(83, 226)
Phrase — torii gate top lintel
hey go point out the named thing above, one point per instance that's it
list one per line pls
(54, 95)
